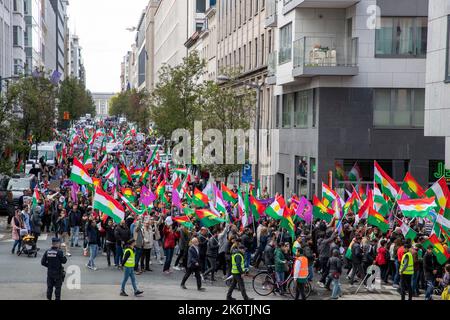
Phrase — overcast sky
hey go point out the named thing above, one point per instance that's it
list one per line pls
(101, 26)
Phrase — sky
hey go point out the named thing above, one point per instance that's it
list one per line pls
(101, 26)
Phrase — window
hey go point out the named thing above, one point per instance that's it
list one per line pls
(399, 108)
(402, 37)
(285, 44)
(201, 6)
(277, 111)
(18, 67)
(288, 107)
(15, 5)
(263, 50)
(199, 26)
(250, 55)
(17, 36)
(301, 109)
(256, 52)
(447, 75)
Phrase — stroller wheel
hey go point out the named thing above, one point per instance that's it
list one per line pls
(19, 252)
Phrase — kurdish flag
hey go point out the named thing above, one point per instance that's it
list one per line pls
(79, 173)
(124, 174)
(276, 209)
(144, 176)
(328, 195)
(340, 172)
(108, 205)
(228, 195)
(257, 207)
(352, 203)
(181, 171)
(129, 194)
(388, 186)
(380, 204)
(184, 221)
(288, 224)
(440, 191)
(130, 205)
(407, 232)
(137, 173)
(377, 220)
(412, 188)
(417, 208)
(320, 211)
(208, 218)
(355, 174)
(439, 250)
(200, 199)
(35, 199)
(161, 189)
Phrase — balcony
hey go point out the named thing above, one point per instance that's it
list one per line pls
(289, 5)
(272, 67)
(325, 56)
(271, 13)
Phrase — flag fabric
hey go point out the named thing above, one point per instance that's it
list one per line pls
(137, 173)
(220, 205)
(35, 199)
(102, 163)
(79, 173)
(242, 209)
(176, 200)
(184, 221)
(108, 205)
(417, 208)
(109, 174)
(377, 220)
(207, 218)
(288, 224)
(87, 160)
(229, 195)
(380, 204)
(412, 188)
(276, 209)
(355, 174)
(152, 156)
(147, 197)
(440, 191)
(304, 209)
(129, 194)
(328, 195)
(130, 205)
(181, 171)
(200, 199)
(438, 249)
(340, 172)
(407, 232)
(257, 208)
(352, 203)
(320, 211)
(440, 219)
(388, 186)
(124, 174)
(145, 175)
(161, 190)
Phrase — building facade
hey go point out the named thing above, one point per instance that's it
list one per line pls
(437, 96)
(349, 88)
(102, 103)
(59, 29)
(77, 69)
(6, 39)
(141, 52)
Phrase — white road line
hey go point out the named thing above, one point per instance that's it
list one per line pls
(41, 238)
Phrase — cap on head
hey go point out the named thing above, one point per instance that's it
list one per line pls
(56, 240)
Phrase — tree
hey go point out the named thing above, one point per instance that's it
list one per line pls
(133, 105)
(75, 99)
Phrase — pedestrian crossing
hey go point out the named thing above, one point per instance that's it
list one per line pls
(42, 237)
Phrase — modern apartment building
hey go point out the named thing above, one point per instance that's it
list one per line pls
(437, 96)
(141, 51)
(59, 29)
(150, 43)
(349, 88)
(244, 45)
(18, 30)
(34, 35)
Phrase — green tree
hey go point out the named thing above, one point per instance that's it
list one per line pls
(75, 99)
(133, 105)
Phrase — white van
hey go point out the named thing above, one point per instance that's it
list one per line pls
(48, 150)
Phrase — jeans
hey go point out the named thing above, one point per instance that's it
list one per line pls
(119, 255)
(406, 281)
(156, 249)
(169, 255)
(137, 258)
(110, 248)
(414, 279)
(247, 259)
(129, 273)
(212, 267)
(280, 278)
(75, 232)
(16, 242)
(430, 289)
(93, 249)
(311, 273)
(397, 274)
(336, 289)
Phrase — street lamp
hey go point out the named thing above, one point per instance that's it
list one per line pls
(258, 87)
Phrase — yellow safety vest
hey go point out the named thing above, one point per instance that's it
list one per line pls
(410, 267)
(234, 268)
(130, 263)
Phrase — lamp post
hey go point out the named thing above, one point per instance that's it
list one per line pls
(258, 87)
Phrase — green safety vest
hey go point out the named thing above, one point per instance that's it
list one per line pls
(410, 267)
(130, 263)
(234, 268)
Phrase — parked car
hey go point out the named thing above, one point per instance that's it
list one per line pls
(5, 202)
(18, 184)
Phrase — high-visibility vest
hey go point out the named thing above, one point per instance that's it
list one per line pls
(410, 267)
(234, 268)
(303, 272)
(130, 263)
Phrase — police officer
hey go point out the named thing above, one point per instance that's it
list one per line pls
(53, 260)
(407, 272)
(237, 269)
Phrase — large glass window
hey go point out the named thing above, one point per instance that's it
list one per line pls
(201, 6)
(301, 109)
(402, 37)
(399, 108)
(285, 44)
(288, 107)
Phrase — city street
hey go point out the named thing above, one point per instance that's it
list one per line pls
(27, 280)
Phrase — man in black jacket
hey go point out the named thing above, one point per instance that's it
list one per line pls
(212, 253)
(122, 235)
(203, 247)
(430, 271)
(357, 255)
(269, 255)
(110, 241)
(53, 259)
(74, 223)
(193, 265)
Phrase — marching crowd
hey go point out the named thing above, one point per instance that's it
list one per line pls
(226, 251)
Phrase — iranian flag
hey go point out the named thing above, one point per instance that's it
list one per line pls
(388, 186)
(108, 205)
(79, 173)
(87, 160)
(417, 208)
(276, 209)
(103, 163)
(109, 174)
(35, 198)
(220, 205)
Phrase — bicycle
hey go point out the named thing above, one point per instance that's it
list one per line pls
(264, 283)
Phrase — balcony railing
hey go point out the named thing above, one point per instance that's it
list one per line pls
(271, 13)
(325, 56)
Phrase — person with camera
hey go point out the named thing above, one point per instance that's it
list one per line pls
(53, 259)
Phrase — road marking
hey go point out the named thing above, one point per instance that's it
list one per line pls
(2, 236)
(43, 237)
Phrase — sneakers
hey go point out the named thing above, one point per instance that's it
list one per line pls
(161, 262)
(203, 278)
(177, 268)
(183, 287)
(139, 292)
(150, 262)
(68, 254)
(201, 289)
(123, 294)
(320, 284)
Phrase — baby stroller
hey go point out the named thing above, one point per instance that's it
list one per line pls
(28, 246)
